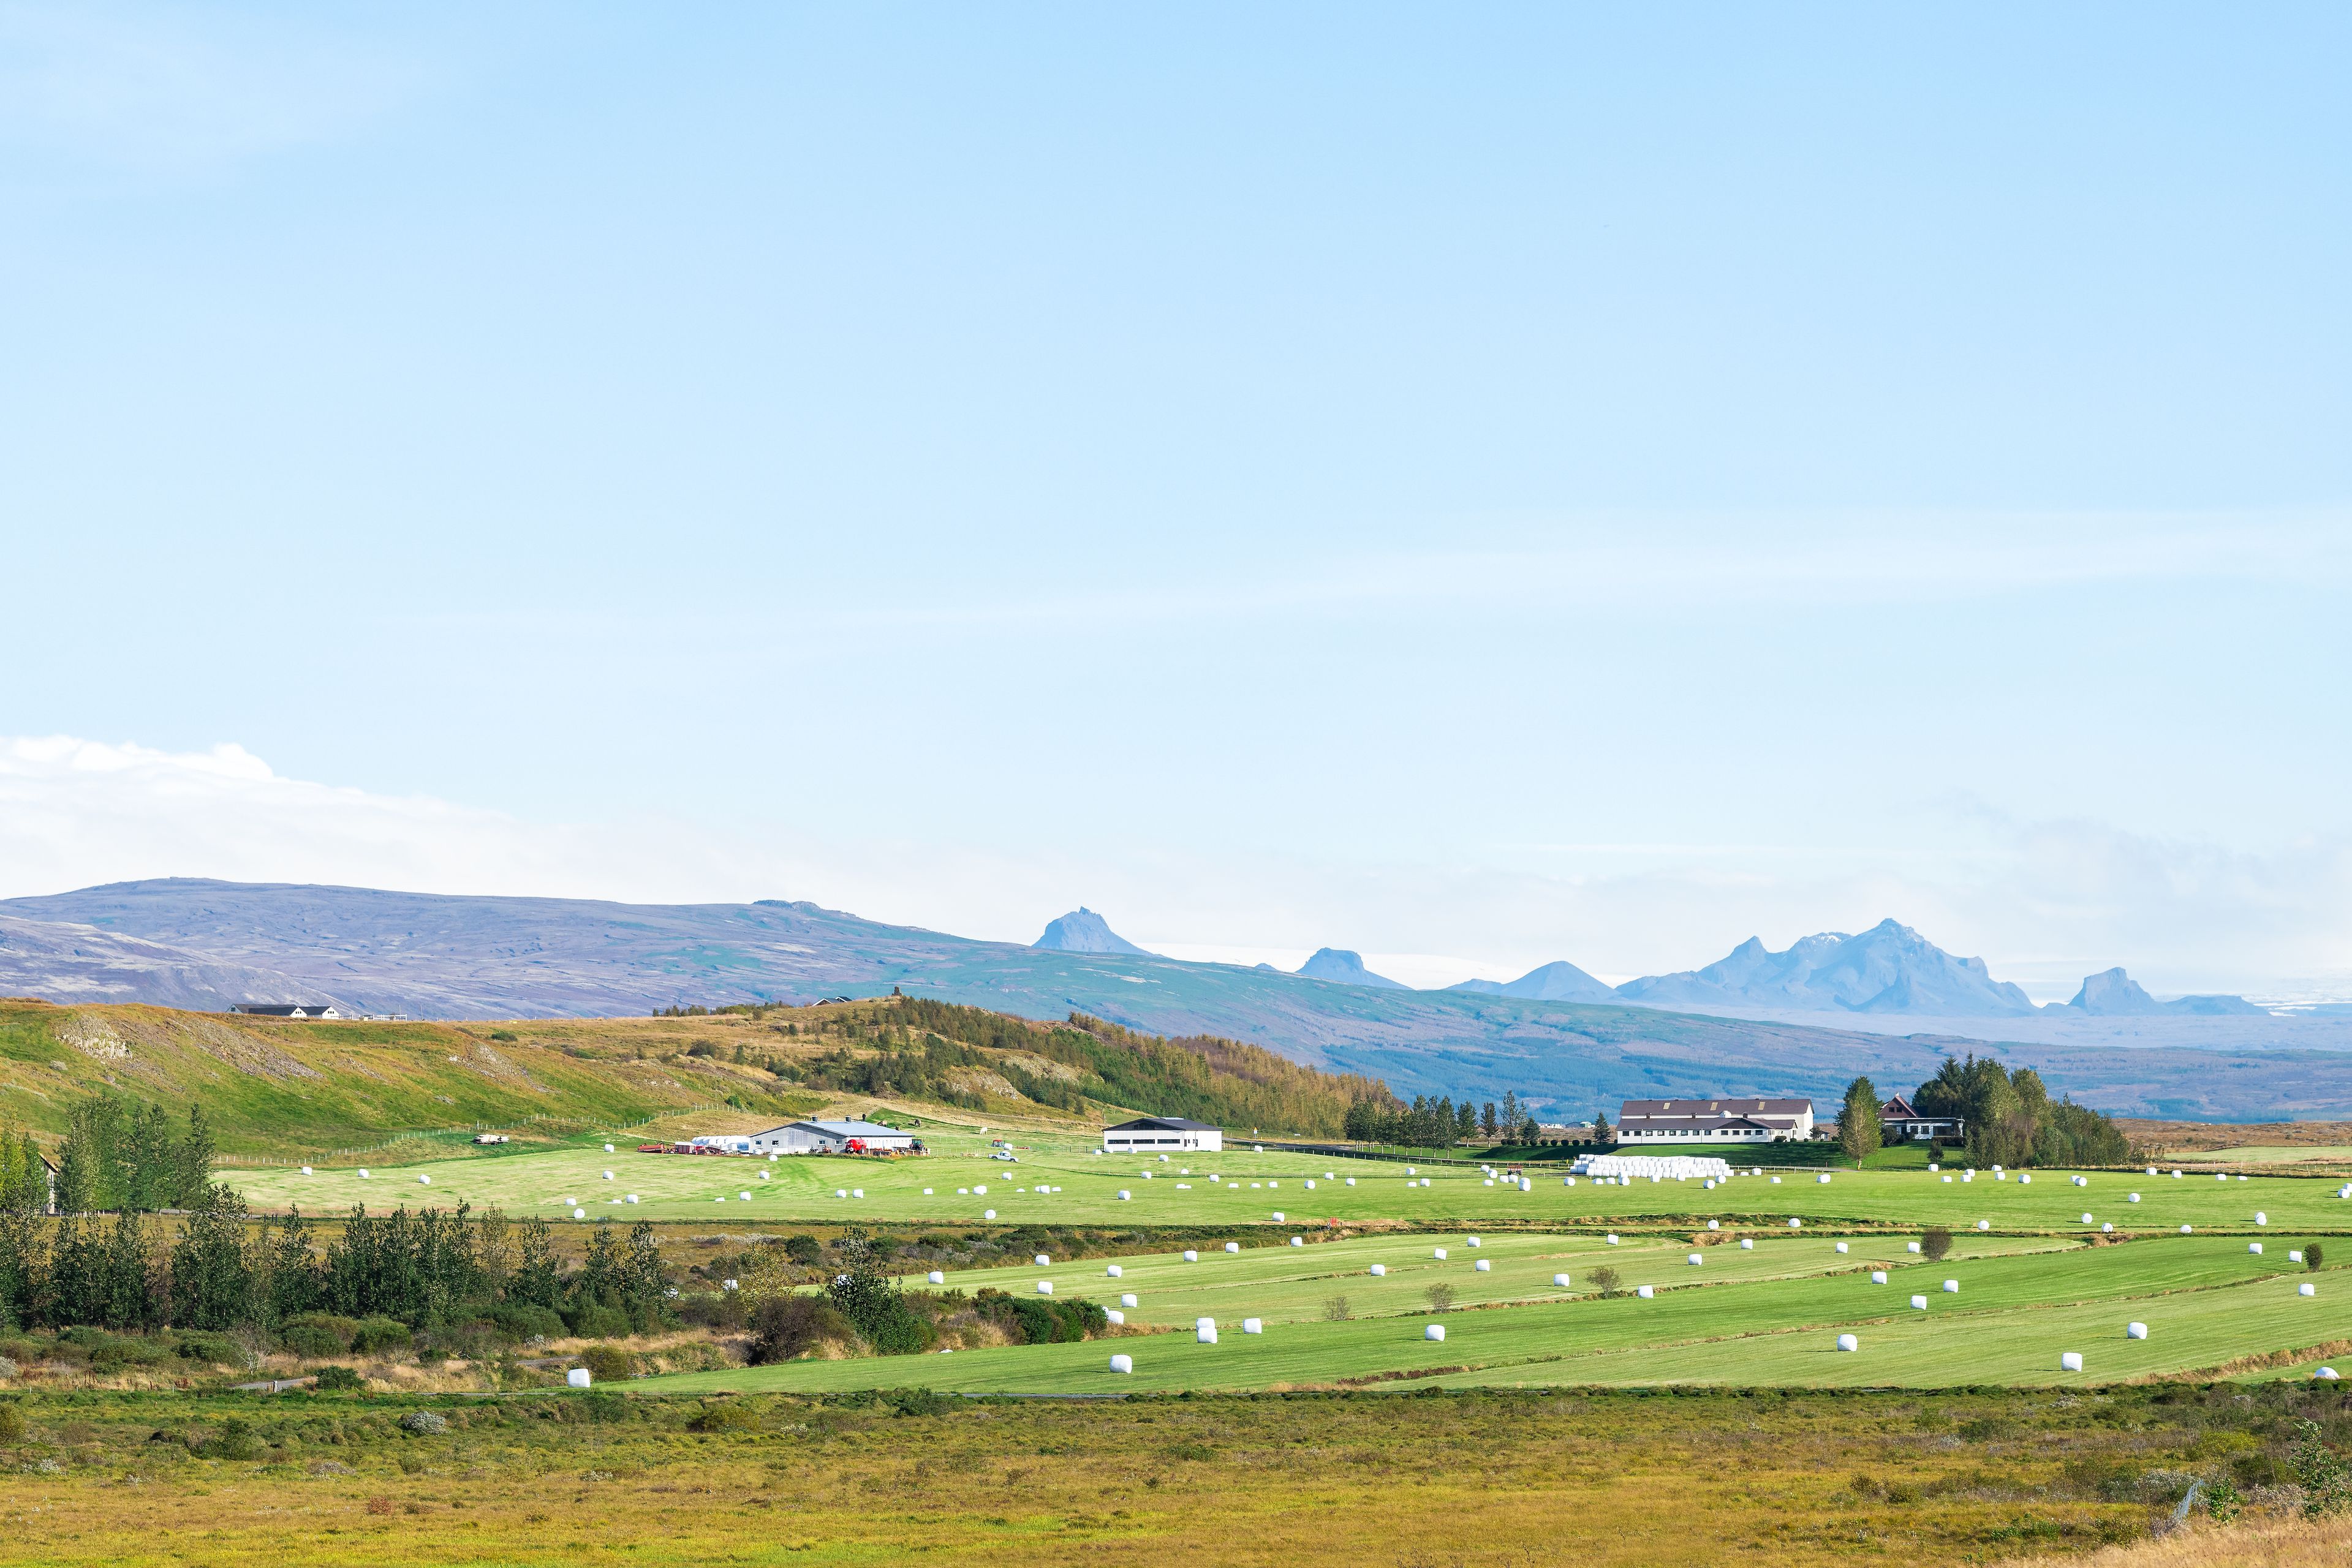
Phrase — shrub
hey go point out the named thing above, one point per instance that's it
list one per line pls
(2222, 1501)
(1440, 1297)
(377, 1336)
(425, 1423)
(331, 1378)
(804, 1250)
(209, 1350)
(609, 1363)
(1606, 1279)
(12, 1424)
(324, 1330)
(791, 1326)
(1934, 1243)
(2320, 1471)
(235, 1440)
(594, 1320)
(1337, 1310)
(722, 1417)
(2311, 1255)
(523, 1321)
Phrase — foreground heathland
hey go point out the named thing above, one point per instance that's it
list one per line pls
(295, 1481)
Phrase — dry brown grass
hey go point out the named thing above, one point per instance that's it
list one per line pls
(2288, 1544)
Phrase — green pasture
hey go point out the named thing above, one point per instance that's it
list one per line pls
(2207, 1303)
(1288, 1284)
(1257, 1187)
(2269, 1155)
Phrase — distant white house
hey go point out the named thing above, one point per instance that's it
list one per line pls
(820, 1138)
(1751, 1120)
(1162, 1135)
(288, 1010)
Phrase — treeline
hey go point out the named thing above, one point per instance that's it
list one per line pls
(123, 1156)
(2012, 1121)
(1436, 1122)
(223, 1269)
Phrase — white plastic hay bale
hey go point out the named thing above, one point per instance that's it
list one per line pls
(306, 1170)
(2025, 1178)
(1299, 1241)
(1122, 1363)
(2086, 1220)
(1526, 1184)
(988, 1214)
(1380, 1271)
(858, 1192)
(1424, 1181)
(2134, 1331)
(1483, 1266)
(1708, 1187)
(2176, 1175)
(1128, 1299)
(1560, 1279)
(1233, 1246)
(1488, 1181)
(979, 1190)
(1612, 1241)
(2188, 1229)
(1311, 1184)
(1042, 1262)
(1933, 1167)
(577, 1378)
(1910, 1247)
(1996, 1169)
(1113, 1272)
(2151, 1170)
(2070, 1361)
(745, 1197)
(728, 1284)
(2260, 1219)
(2220, 1176)
(2106, 1228)
(1694, 1259)
(1823, 1179)
(632, 1197)
(1715, 1225)
(1044, 1287)
(963, 1192)
(1849, 1342)
(763, 1176)
(1434, 1332)
(1841, 1246)
(1966, 1176)
(1878, 1276)
(1278, 1217)
(938, 1276)
(579, 1214)
(1947, 1181)
(2326, 1372)
(1984, 1225)
(1253, 1326)
(1919, 1303)
(1351, 1181)
(1644, 1292)
(2255, 1247)
(1125, 1196)
(1776, 1181)
(2132, 1198)
(2081, 1181)
(2306, 1288)
(1437, 1252)
(425, 1181)
(1748, 1244)
(1951, 1287)
(840, 1192)
(1190, 1256)
(1796, 1225)
(1470, 1241)
(1205, 1335)
(2294, 1256)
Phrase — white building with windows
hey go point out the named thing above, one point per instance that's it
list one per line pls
(1163, 1135)
(823, 1138)
(1721, 1121)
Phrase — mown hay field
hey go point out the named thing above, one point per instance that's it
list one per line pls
(1257, 1187)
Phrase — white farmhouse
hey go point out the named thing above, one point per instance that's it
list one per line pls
(1684, 1122)
(1161, 1135)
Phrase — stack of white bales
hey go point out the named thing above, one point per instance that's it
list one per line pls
(1671, 1167)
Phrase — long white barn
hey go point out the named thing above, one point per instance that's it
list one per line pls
(1721, 1121)
(1161, 1135)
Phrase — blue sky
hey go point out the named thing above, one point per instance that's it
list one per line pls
(1548, 483)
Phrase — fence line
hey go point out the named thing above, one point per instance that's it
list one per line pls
(441, 1135)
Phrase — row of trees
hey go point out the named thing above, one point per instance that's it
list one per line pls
(1436, 1122)
(2007, 1116)
(224, 1270)
(123, 1156)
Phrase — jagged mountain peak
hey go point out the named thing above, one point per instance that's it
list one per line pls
(1082, 931)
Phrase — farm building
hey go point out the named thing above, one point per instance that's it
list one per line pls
(825, 1138)
(1714, 1120)
(1162, 1135)
(288, 1010)
(1899, 1124)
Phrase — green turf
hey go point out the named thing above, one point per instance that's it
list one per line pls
(804, 1189)
(2206, 1303)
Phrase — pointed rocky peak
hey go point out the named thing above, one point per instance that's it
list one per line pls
(2111, 993)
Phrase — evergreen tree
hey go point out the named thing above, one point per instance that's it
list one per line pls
(297, 1283)
(1599, 1126)
(1466, 1122)
(1510, 1117)
(536, 1281)
(192, 1175)
(212, 1278)
(128, 1280)
(1487, 1121)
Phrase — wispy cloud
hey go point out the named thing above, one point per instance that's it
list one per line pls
(180, 89)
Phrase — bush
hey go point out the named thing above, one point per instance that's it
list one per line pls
(235, 1440)
(609, 1363)
(377, 1336)
(1606, 1279)
(523, 1321)
(334, 1378)
(12, 1424)
(1934, 1243)
(790, 1326)
(320, 1333)
(722, 1417)
(425, 1423)
(209, 1350)
(804, 1250)
(2311, 1255)
(594, 1320)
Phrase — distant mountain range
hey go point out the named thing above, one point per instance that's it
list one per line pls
(2111, 993)
(1554, 1035)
